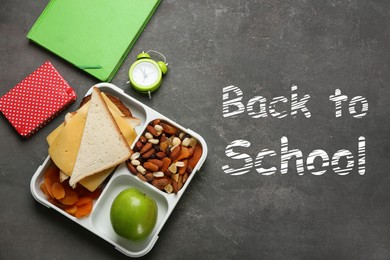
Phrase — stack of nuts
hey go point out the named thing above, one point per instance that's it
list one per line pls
(164, 156)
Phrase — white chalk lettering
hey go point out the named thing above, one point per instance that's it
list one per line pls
(362, 155)
(272, 105)
(352, 104)
(257, 106)
(299, 105)
(238, 156)
(259, 159)
(336, 158)
(232, 102)
(286, 155)
(262, 112)
(338, 99)
(289, 155)
(312, 156)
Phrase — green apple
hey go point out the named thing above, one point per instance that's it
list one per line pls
(133, 214)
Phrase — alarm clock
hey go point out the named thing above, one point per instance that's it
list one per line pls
(146, 74)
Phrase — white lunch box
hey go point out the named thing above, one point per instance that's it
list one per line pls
(98, 221)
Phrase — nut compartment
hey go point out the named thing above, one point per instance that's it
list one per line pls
(97, 222)
(165, 156)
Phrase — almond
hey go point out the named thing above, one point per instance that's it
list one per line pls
(151, 130)
(160, 183)
(131, 168)
(150, 166)
(160, 155)
(141, 177)
(168, 173)
(146, 148)
(175, 186)
(143, 139)
(168, 128)
(149, 176)
(156, 121)
(157, 162)
(149, 153)
(175, 153)
(139, 145)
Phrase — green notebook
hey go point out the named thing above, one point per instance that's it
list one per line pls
(93, 35)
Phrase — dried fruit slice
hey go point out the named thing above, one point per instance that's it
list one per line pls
(84, 210)
(195, 157)
(70, 198)
(58, 191)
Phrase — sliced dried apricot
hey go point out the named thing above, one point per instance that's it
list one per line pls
(58, 191)
(56, 203)
(195, 156)
(52, 172)
(71, 209)
(44, 190)
(166, 164)
(184, 153)
(84, 210)
(51, 176)
(70, 198)
(83, 201)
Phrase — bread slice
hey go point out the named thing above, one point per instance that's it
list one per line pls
(102, 144)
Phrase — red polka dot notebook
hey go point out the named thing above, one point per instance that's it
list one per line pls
(36, 100)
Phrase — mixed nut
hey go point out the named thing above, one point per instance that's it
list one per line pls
(164, 156)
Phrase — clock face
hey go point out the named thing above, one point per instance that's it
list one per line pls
(145, 73)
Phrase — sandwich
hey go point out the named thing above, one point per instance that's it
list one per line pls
(93, 140)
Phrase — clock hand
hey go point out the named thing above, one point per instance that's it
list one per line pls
(143, 71)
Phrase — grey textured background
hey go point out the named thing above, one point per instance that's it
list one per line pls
(263, 47)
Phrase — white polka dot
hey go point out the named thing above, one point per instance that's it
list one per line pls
(36, 99)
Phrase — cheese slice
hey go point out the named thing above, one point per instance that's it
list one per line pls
(94, 181)
(65, 146)
(65, 140)
(111, 106)
(124, 126)
(52, 136)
